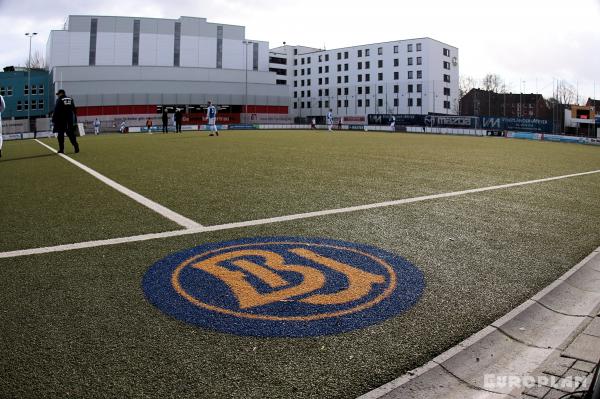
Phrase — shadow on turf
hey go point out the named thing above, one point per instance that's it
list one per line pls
(3, 159)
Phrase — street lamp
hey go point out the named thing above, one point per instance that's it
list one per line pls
(246, 43)
(30, 35)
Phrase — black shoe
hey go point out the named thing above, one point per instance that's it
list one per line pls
(76, 150)
(217, 133)
(60, 152)
(0, 153)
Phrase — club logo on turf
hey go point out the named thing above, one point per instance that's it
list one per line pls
(283, 286)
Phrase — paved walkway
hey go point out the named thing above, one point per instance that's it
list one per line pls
(546, 348)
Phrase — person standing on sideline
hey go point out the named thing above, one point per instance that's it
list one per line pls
(178, 117)
(96, 126)
(64, 120)
(329, 120)
(2, 106)
(313, 123)
(211, 114)
(393, 124)
(165, 121)
(149, 125)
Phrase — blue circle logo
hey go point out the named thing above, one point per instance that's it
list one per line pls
(283, 286)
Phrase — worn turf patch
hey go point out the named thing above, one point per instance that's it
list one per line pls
(283, 286)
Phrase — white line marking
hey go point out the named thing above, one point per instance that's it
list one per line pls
(202, 229)
(156, 207)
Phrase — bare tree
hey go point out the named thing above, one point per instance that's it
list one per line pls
(465, 85)
(564, 92)
(38, 61)
(494, 83)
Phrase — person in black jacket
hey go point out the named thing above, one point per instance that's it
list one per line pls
(178, 118)
(165, 121)
(64, 120)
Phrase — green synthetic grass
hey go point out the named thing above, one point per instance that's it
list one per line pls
(47, 201)
(76, 324)
(251, 175)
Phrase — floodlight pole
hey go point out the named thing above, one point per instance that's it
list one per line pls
(30, 35)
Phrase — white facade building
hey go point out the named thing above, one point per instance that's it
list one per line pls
(105, 61)
(416, 76)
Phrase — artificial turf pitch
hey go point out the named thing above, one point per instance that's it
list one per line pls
(77, 324)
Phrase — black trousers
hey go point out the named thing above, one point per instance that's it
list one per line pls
(178, 127)
(165, 127)
(72, 138)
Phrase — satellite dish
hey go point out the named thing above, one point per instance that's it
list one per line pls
(454, 61)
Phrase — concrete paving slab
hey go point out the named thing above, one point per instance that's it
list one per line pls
(541, 327)
(438, 383)
(584, 366)
(593, 328)
(584, 347)
(586, 279)
(570, 300)
(537, 391)
(594, 263)
(495, 354)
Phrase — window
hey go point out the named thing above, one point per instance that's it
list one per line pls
(320, 92)
(446, 91)
(320, 58)
(326, 57)
(40, 104)
(339, 91)
(302, 72)
(33, 104)
(379, 50)
(339, 67)
(327, 81)
(367, 64)
(308, 104)
(446, 65)
(419, 60)
(326, 68)
(410, 74)
(447, 104)
(380, 76)
(326, 103)
(395, 49)
(308, 60)
(320, 69)
(295, 94)
(380, 102)
(359, 103)
(308, 93)
(419, 74)
(302, 94)
(359, 78)
(320, 81)
(339, 56)
(419, 88)
(380, 64)
(295, 62)
(345, 55)
(339, 103)
(19, 106)
(345, 67)
(295, 72)
(339, 79)
(359, 53)
(395, 102)
(367, 52)
(359, 66)
(367, 102)
(345, 103)
(302, 61)
(302, 104)
(419, 102)
(410, 102)
(359, 90)
(346, 79)
(327, 92)
(308, 82)
(410, 88)
(295, 83)
(26, 90)
(367, 90)
(302, 82)
(409, 48)
(345, 91)
(418, 46)
(446, 52)
(396, 62)
(396, 75)
(25, 105)
(320, 104)
(410, 61)
(380, 89)
(396, 89)
(367, 77)
(9, 91)
(2, 91)
(447, 78)
(308, 71)
(33, 90)
(41, 90)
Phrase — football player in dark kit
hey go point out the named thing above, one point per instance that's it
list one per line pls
(64, 120)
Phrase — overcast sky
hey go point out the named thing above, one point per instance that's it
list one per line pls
(527, 42)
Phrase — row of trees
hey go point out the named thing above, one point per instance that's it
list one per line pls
(563, 92)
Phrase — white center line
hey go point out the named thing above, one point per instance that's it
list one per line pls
(156, 207)
(203, 229)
